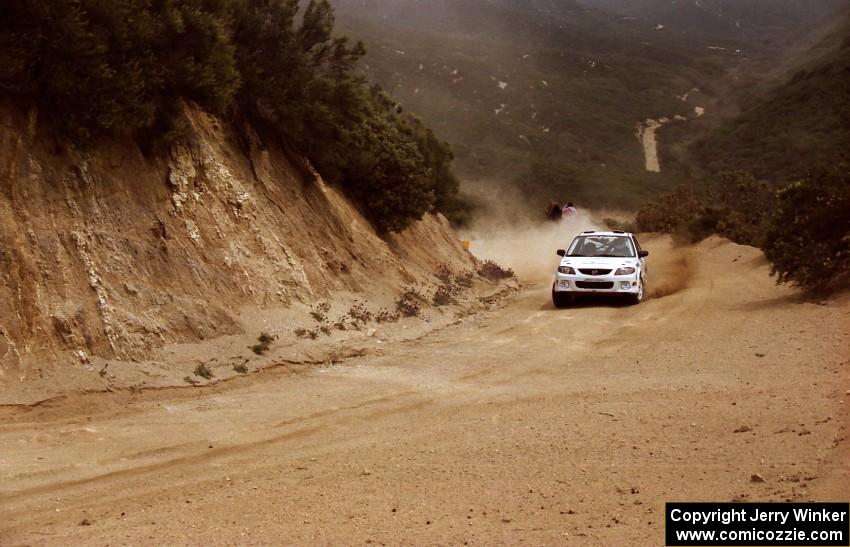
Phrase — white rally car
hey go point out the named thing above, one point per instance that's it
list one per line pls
(601, 262)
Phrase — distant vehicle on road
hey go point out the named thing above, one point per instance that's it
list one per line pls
(601, 262)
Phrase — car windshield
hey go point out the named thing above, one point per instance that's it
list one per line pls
(602, 246)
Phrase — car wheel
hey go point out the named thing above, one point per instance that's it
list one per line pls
(561, 300)
(635, 299)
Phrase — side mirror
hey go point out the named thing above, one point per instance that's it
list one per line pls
(643, 254)
(562, 252)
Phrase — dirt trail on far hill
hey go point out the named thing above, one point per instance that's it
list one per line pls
(647, 138)
(524, 424)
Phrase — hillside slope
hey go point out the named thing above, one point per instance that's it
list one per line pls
(539, 96)
(799, 124)
(111, 255)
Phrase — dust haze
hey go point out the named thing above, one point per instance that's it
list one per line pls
(516, 237)
(670, 272)
(520, 238)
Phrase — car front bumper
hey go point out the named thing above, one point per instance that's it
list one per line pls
(622, 284)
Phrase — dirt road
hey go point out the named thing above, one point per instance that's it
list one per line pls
(522, 425)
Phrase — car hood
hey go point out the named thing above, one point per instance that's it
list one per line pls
(598, 262)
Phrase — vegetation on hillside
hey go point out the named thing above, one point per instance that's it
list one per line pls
(735, 206)
(95, 66)
(794, 203)
(539, 96)
(801, 125)
(98, 67)
(808, 240)
(803, 228)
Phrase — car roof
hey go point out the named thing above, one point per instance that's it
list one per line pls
(600, 233)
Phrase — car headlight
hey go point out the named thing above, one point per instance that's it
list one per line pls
(566, 270)
(625, 271)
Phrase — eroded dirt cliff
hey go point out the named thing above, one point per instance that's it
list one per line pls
(111, 254)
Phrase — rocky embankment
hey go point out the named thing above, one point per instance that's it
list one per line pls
(120, 269)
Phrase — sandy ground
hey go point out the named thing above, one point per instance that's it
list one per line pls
(520, 425)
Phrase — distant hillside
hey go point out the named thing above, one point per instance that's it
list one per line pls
(773, 168)
(543, 96)
(743, 19)
(800, 124)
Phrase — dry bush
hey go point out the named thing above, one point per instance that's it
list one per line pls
(493, 271)
(444, 273)
(359, 314)
(301, 332)
(265, 341)
(386, 316)
(444, 295)
(204, 372)
(465, 279)
(409, 302)
(319, 312)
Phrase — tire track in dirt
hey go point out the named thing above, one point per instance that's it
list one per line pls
(158, 467)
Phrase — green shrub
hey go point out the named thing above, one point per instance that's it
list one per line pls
(300, 86)
(100, 65)
(671, 212)
(385, 173)
(96, 67)
(803, 229)
(797, 126)
(808, 241)
(736, 206)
